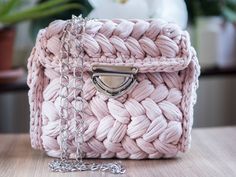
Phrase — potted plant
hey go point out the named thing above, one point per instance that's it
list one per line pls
(13, 12)
(215, 32)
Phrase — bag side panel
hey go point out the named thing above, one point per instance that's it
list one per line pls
(189, 100)
(36, 82)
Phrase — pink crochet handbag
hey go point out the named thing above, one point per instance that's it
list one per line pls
(114, 88)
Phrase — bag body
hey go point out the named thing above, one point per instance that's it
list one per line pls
(153, 119)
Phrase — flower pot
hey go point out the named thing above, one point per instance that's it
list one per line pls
(7, 37)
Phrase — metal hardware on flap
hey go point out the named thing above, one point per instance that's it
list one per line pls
(113, 80)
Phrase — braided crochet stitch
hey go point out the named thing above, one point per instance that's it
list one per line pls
(152, 120)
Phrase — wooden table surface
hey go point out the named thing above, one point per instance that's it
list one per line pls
(213, 154)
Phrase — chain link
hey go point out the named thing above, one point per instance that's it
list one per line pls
(75, 28)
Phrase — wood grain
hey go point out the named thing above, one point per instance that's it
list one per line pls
(213, 154)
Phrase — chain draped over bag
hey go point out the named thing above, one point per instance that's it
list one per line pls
(111, 88)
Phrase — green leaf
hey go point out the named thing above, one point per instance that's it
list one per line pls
(229, 14)
(231, 4)
(40, 23)
(7, 6)
(35, 13)
(46, 5)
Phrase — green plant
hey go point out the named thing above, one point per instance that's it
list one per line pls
(229, 10)
(224, 8)
(43, 22)
(11, 11)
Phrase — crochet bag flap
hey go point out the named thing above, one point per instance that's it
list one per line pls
(140, 79)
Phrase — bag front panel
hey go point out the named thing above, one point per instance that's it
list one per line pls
(146, 122)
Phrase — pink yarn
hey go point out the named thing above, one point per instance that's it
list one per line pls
(152, 120)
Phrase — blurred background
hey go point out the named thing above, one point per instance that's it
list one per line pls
(211, 23)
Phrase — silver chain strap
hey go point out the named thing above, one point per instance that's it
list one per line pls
(75, 28)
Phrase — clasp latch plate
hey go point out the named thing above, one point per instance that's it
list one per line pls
(113, 81)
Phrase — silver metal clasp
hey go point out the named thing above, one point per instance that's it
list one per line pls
(113, 81)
